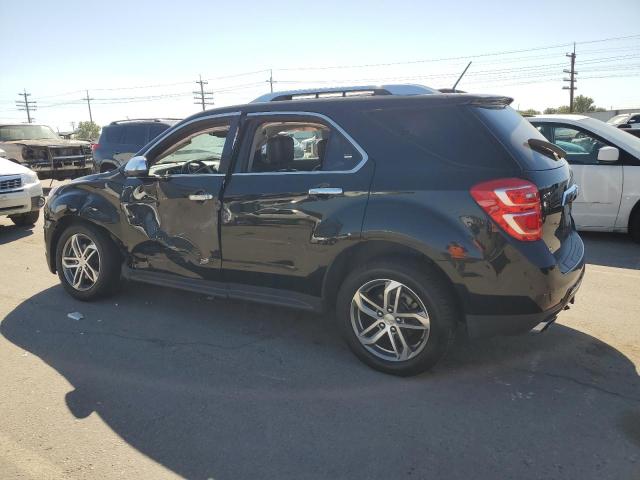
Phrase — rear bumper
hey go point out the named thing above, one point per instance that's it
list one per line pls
(491, 325)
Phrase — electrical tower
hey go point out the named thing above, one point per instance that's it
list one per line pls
(572, 77)
(26, 105)
(203, 98)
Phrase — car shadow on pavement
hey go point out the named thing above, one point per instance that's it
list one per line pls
(227, 390)
(611, 249)
(10, 233)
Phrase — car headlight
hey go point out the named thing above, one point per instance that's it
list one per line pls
(29, 177)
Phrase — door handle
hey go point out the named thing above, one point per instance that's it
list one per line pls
(325, 192)
(200, 197)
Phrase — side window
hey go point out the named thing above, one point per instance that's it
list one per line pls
(299, 146)
(634, 119)
(198, 153)
(135, 135)
(581, 147)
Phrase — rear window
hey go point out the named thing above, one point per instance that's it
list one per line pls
(450, 134)
(514, 132)
(135, 134)
(156, 129)
(111, 134)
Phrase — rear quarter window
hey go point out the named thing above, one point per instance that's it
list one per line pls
(450, 134)
(514, 132)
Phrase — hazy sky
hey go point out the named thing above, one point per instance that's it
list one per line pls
(56, 50)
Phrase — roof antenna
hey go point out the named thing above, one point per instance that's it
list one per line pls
(460, 77)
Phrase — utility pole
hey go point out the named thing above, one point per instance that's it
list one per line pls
(202, 97)
(89, 105)
(73, 126)
(271, 79)
(572, 77)
(26, 105)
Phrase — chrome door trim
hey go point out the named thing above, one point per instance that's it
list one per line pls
(361, 151)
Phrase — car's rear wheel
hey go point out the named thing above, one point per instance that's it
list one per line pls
(88, 262)
(397, 318)
(26, 219)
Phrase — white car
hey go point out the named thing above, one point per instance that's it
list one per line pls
(606, 165)
(626, 120)
(20, 192)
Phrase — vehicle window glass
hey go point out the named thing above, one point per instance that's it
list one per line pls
(581, 147)
(112, 134)
(341, 155)
(635, 119)
(199, 153)
(135, 135)
(27, 132)
(299, 146)
(514, 131)
(618, 119)
(156, 129)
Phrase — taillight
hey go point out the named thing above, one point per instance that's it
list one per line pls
(94, 146)
(514, 204)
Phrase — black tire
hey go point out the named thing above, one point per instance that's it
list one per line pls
(634, 225)
(433, 291)
(110, 264)
(26, 219)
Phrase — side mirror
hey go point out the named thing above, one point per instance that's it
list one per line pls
(608, 154)
(624, 125)
(136, 167)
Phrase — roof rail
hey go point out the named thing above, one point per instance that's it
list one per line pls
(336, 92)
(116, 122)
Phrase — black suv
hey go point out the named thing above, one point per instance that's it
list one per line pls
(410, 215)
(120, 140)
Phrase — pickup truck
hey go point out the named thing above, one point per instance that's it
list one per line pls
(40, 149)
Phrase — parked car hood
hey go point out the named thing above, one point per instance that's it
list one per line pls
(48, 143)
(7, 167)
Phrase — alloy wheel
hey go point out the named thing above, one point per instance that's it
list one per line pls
(390, 320)
(80, 262)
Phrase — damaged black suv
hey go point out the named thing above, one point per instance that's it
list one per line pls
(410, 212)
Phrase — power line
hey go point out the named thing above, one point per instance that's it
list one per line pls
(463, 57)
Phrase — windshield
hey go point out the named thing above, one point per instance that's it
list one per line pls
(26, 132)
(618, 119)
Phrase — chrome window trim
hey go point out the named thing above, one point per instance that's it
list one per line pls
(170, 131)
(332, 123)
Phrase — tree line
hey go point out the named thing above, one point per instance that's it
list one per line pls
(581, 104)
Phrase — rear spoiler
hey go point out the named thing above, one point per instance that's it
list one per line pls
(491, 101)
(546, 148)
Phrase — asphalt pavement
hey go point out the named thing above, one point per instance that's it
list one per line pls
(156, 383)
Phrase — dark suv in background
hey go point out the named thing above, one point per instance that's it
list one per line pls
(407, 212)
(122, 139)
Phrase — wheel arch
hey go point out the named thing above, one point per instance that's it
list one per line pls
(65, 222)
(368, 251)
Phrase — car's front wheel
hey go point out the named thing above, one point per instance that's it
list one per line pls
(88, 262)
(26, 219)
(397, 318)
